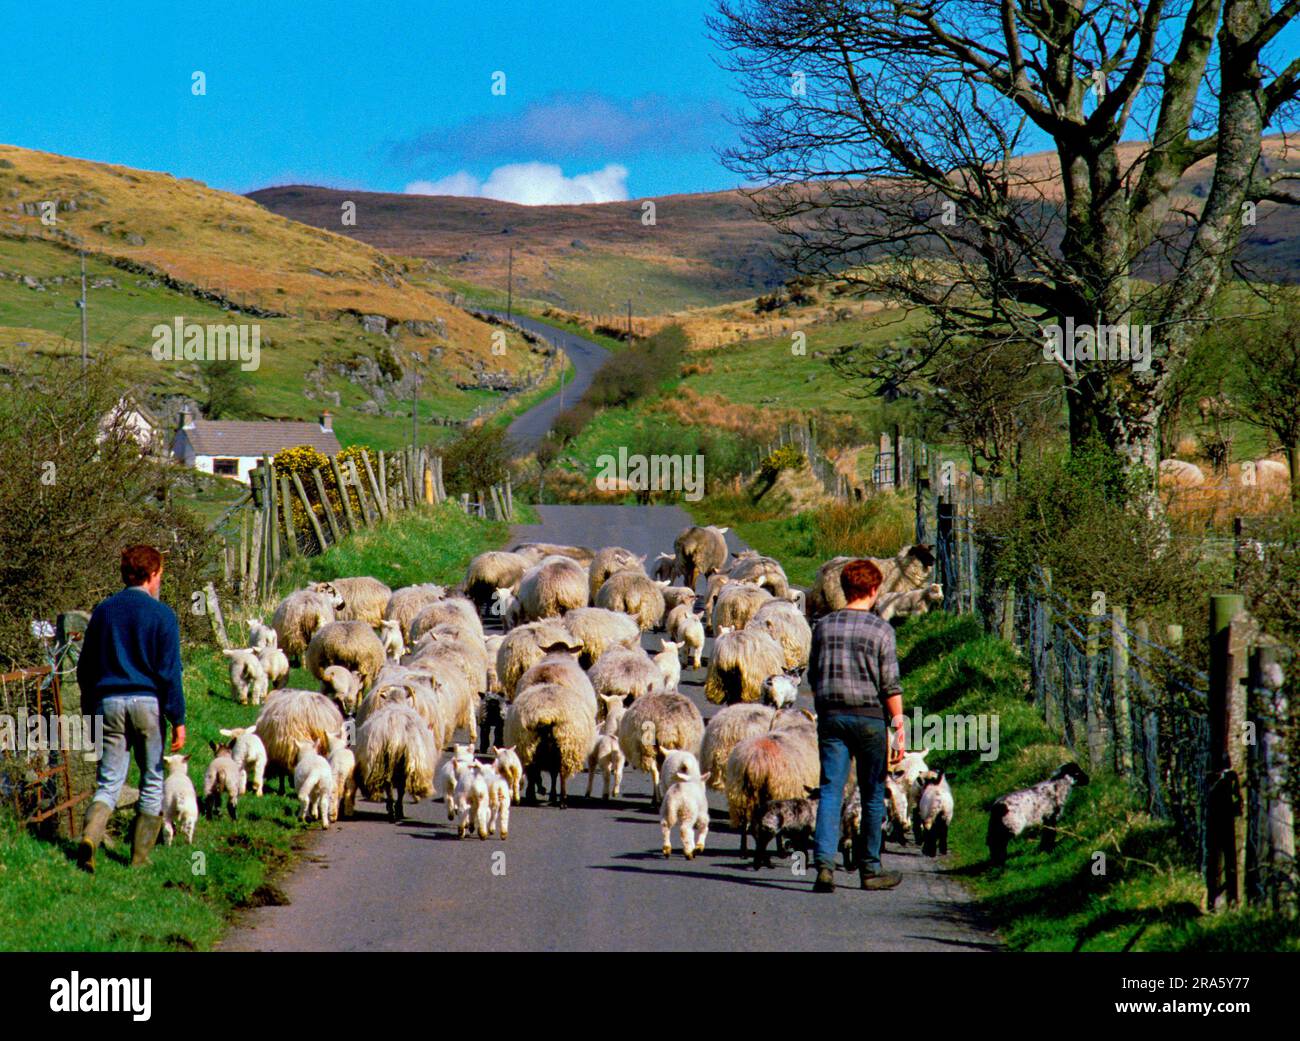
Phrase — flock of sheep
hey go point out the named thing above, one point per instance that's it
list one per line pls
(564, 689)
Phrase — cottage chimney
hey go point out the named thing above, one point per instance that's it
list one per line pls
(187, 419)
(327, 421)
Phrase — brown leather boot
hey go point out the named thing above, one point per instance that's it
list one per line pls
(144, 833)
(878, 879)
(92, 834)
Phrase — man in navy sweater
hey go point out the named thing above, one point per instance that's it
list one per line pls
(130, 673)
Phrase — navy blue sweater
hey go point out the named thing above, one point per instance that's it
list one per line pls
(132, 646)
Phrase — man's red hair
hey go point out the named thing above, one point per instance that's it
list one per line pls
(860, 578)
(139, 563)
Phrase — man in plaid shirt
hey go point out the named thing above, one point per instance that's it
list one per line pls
(854, 676)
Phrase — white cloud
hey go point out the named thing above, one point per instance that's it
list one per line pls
(532, 184)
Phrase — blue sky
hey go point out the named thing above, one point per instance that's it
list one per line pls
(374, 95)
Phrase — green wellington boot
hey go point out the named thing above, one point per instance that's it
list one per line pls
(144, 833)
(92, 834)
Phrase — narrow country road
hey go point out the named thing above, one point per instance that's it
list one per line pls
(591, 877)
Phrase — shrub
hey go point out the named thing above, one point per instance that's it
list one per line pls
(477, 458)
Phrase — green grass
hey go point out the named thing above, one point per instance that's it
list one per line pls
(180, 901)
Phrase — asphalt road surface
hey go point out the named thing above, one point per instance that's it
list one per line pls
(591, 877)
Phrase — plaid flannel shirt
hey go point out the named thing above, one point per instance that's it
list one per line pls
(854, 664)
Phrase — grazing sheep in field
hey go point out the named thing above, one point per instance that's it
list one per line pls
(395, 753)
(528, 644)
(290, 716)
(766, 768)
(741, 661)
(909, 569)
(453, 763)
(491, 571)
(506, 606)
(248, 679)
(1037, 807)
(563, 669)
(343, 766)
(686, 808)
(473, 799)
(261, 636)
(223, 775)
(762, 571)
(406, 603)
(536, 552)
(635, 594)
(507, 764)
(609, 561)
(669, 664)
(675, 596)
(655, 725)
(451, 610)
(782, 621)
(342, 686)
(599, 629)
(607, 757)
(313, 780)
(700, 552)
(353, 645)
(390, 635)
(728, 727)
(552, 730)
(664, 568)
(911, 602)
(790, 822)
(625, 672)
(180, 801)
(556, 585)
(249, 754)
(364, 598)
(299, 615)
(934, 812)
(780, 691)
(736, 604)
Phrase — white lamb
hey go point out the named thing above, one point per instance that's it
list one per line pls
(669, 664)
(686, 807)
(247, 676)
(314, 781)
(276, 664)
(343, 765)
(499, 794)
(607, 757)
(781, 690)
(261, 636)
(508, 766)
(506, 606)
(692, 637)
(473, 799)
(449, 770)
(180, 801)
(390, 635)
(249, 754)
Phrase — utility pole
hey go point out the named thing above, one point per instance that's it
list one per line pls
(510, 281)
(82, 304)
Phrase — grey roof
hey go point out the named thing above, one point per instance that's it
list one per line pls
(237, 437)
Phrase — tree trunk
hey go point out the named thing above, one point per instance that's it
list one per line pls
(1293, 459)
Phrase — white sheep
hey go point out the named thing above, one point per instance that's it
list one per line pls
(248, 679)
(249, 754)
(669, 664)
(261, 635)
(506, 606)
(934, 812)
(222, 775)
(691, 635)
(507, 764)
(674, 762)
(276, 664)
(607, 758)
(780, 690)
(686, 807)
(390, 635)
(313, 779)
(343, 765)
(457, 758)
(473, 800)
(499, 793)
(342, 685)
(180, 801)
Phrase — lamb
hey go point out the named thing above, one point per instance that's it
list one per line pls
(790, 822)
(600, 629)
(507, 764)
(451, 610)
(736, 604)
(555, 585)
(563, 669)
(343, 766)
(934, 812)
(492, 645)
(675, 596)
(395, 752)
(491, 571)
(406, 603)
(609, 561)
(222, 775)
(728, 727)
(700, 552)
(664, 568)
(364, 598)
(180, 802)
(552, 730)
(276, 664)
(390, 635)
(473, 799)
(766, 768)
(635, 594)
(453, 764)
(782, 621)
(762, 571)
(499, 793)
(656, 724)
(313, 779)
(671, 765)
(260, 635)
(741, 661)
(342, 686)
(910, 769)
(780, 691)
(608, 758)
(626, 673)
(691, 635)
(669, 664)
(536, 552)
(526, 645)
(506, 606)
(908, 569)
(851, 827)
(1037, 807)
(248, 679)
(249, 754)
(299, 615)
(350, 644)
(911, 602)
(289, 716)
(609, 713)
(686, 808)
(894, 823)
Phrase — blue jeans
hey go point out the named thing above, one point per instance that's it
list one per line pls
(840, 738)
(131, 725)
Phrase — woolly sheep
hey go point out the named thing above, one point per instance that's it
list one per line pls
(610, 709)
(741, 661)
(395, 753)
(736, 604)
(506, 606)
(313, 780)
(414, 689)
(908, 603)
(605, 756)
(627, 673)
(664, 567)
(599, 629)
(453, 645)
(669, 664)
(675, 596)
(894, 824)
(609, 561)
(527, 644)
(499, 793)
(180, 801)
(782, 621)
(536, 552)
(364, 598)
(555, 585)
(276, 664)
(728, 727)
(248, 679)
(712, 589)
(491, 571)
(762, 571)
(299, 615)
(552, 730)
(934, 812)
(635, 594)
(390, 635)
(686, 808)
(343, 767)
(492, 645)
(260, 635)
(507, 764)
(655, 725)
(700, 551)
(222, 775)
(289, 716)
(473, 800)
(563, 669)
(674, 763)
(249, 755)
(765, 768)
(780, 691)
(1036, 807)
(459, 703)
(908, 569)
(851, 828)
(454, 610)
(1181, 474)
(342, 686)
(453, 763)
(406, 603)
(353, 645)
(792, 823)
(690, 633)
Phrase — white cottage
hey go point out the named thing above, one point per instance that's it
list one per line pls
(232, 448)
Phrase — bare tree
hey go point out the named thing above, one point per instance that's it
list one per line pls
(1266, 387)
(891, 139)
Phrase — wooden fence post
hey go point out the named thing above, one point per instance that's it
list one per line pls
(311, 514)
(344, 500)
(290, 532)
(947, 571)
(1009, 614)
(273, 523)
(1119, 685)
(1150, 716)
(366, 515)
(1226, 766)
(426, 478)
(1271, 836)
(256, 557)
(374, 486)
(243, 552)
(383, 483)
(1094, 711)
(330, 519)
